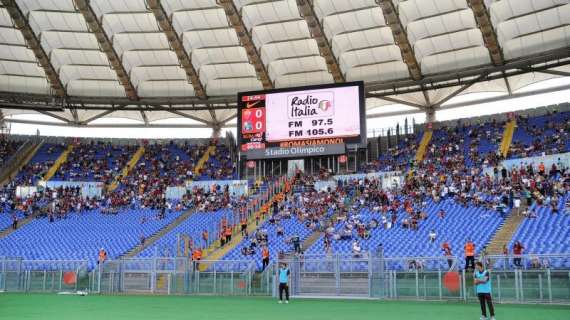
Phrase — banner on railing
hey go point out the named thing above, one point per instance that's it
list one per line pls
(548, 160)
(88, 188)
(235, 187)
(25, 192)
(389, 179)
(323, 185)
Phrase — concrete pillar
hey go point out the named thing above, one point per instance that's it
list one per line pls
(430, 115)
(217, 131)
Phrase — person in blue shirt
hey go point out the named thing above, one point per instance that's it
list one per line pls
(284, 282)
(482, 281)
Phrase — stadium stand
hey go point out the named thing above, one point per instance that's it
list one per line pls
(453, 177)
(81, 235)
(7, 149)
(535, 136)
(94, 161)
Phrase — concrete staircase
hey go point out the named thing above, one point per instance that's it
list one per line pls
(315, 236)
(200, 165)
(505, 233)
(421, 152)
(130, 165)
(23, 155)
(215, 252)
(152, 239)
(60, 160)
(507, 137)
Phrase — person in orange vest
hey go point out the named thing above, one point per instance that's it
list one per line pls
(469, 255)
(265, 257)
(102, 256)
(197, 256)
(228, 234)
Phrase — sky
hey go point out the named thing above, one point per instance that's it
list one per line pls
(374, 126)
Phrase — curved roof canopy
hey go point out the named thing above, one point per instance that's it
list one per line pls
(148, 60)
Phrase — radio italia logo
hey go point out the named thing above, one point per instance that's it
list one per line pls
(311, 104)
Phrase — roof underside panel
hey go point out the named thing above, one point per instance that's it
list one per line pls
(220, 61)
(444, 35)
(528, 27)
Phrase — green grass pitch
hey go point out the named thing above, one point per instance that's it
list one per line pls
(71, 307)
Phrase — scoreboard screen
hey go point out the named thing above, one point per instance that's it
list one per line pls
(300, 117)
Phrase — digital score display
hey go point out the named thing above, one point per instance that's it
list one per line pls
(297, 117)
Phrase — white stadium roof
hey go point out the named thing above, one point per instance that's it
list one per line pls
(149, 60)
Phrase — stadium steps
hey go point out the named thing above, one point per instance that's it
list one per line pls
(313, 238)
(60, 160)
(505, 233)
(210, 151)
(507, 137)
(130, 165)
(21, 223)
(215, 252)
(421, 152)
(26, 152)
(152, 239)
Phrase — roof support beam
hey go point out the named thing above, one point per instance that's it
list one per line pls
(507, 83)
(74, 114)
(228, 119)
(33, 43)
(400, 37)
(106, 46)
(399, 101)
(176, 43)
(47, 113)
(556, 73)
(145, 119)
(100, 115)
(245, 39)
(483, 19)
(460, 90)
(108, 125)
(213, 114)
(182, 114)
(307, 10)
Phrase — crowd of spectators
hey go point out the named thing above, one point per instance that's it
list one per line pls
(7, 149)
(549, 134)
(95, 161)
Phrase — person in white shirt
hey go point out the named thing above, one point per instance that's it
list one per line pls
(356, 249)
(432, 236)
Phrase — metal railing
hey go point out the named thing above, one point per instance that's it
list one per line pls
(338, 276)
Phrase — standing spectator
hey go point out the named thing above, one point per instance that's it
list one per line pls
(102, 256)
(264, 258)
(432, 236)
(14, 221)
(517, 251)
(506, 254)
(448, 254)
